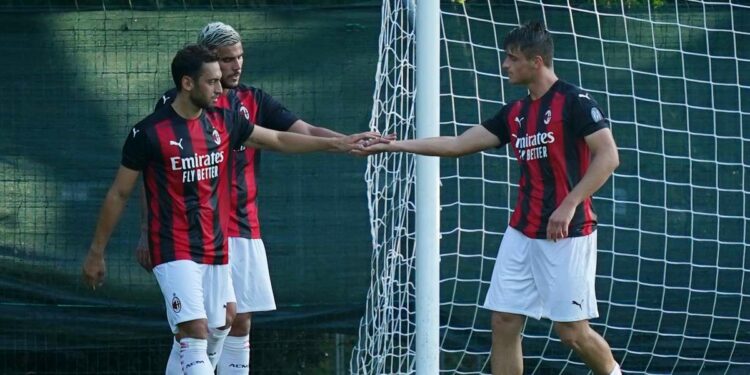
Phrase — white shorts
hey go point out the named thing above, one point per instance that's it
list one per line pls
(541, 278)
(194, 291)
(250, 277)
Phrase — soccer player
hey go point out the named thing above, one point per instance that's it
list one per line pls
(546, 263)
(184, 151)
(250, 275)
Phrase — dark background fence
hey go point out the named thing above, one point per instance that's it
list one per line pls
(77, 78)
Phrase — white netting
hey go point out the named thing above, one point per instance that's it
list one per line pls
(673, 228)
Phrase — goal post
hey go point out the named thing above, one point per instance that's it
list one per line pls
(427, 257)
(672, 271)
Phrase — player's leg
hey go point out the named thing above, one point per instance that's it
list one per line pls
(566, 270)
(252, 285)
(193, 336)
(589, 345)
(236, 356)
(219, 310)
(217, 336)
(512, 296)
(181, 285)
(507, 355)
(174, 367)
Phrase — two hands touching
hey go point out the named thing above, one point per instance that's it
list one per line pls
(374, 145)
(368, 143)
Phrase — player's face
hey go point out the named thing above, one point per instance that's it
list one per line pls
(521, 70)
(207, 89)
(230, 61)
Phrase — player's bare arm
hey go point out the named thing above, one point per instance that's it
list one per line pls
(299, 143)
(142, 254)
(476, 139)
(94, 268)
(302, 127)
(604, 160)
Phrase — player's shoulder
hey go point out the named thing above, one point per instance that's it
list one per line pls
(169, 94)
(240, 94)
(164, 114)
(572, 91)
(245, 90)
(218, 114)
(167, 97)
(509, 106)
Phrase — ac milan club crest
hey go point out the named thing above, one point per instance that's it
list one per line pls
(176, 304)
(216, 137)
(245, 112)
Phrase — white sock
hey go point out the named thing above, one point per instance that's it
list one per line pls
(236, 356)
(215, 344)
(616, 370)
(173, 363)
(194, 357)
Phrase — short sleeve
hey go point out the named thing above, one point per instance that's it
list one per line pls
(587, 116)
(135, 152)
(273, 115)
(498, 125)
(240, 131)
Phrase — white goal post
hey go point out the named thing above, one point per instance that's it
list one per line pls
(672, 274)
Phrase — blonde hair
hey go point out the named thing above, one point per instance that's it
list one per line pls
(218, 34)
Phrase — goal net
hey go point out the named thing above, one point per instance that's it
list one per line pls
(674, 79)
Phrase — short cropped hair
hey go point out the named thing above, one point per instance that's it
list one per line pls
(189, 61)
(218, 34)
(532, 39)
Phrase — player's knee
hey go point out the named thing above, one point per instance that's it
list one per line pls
(505, 324)
(197, 329)
(572, 334)
(241, 325)
(231, 315)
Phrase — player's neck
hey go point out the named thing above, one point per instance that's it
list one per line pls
(185, 107)
(542, 84)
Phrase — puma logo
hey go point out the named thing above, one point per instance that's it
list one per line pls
(135, 131)
(164, 99)
(586, 95)
(178, 144)
(579, 304)
(519, 120)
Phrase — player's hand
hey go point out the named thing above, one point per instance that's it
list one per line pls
(373, 149)
(94, 269)
(358, 141)
(557, 226)
(374, 145)
(385, 139)
(142, 255)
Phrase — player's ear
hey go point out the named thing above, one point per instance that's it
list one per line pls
(187, 83)
(538, 62)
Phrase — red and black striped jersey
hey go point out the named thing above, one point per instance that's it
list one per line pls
(547, 137)
(263, 110)
(185, 166)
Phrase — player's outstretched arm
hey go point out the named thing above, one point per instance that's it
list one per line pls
(142, 254)
(604, 160)
(476, 139)
(302, 127)
(299, 143)
(94, 268)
